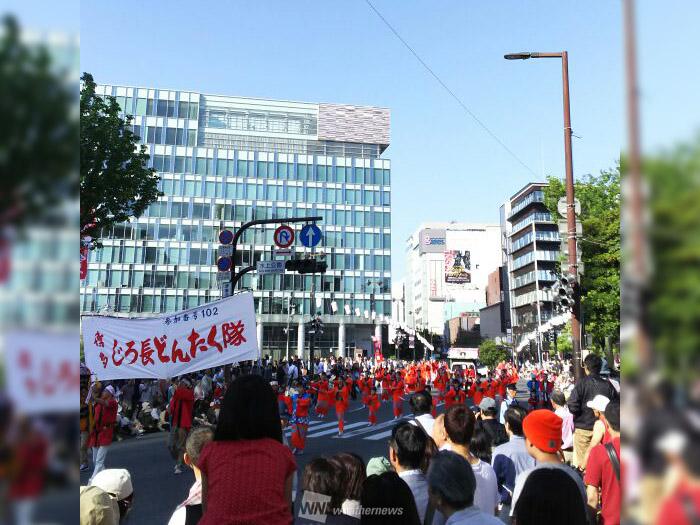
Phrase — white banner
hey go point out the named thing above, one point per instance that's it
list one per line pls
(162, 347)
(41, 372)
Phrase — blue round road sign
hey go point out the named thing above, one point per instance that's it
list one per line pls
(225, 236)
(223, 264)
(310, 235)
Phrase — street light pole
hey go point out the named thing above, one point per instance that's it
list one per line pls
(570, 199)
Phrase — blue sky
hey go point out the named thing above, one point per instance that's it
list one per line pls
(445, 167)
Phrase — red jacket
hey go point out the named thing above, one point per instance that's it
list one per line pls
(105, 419)
(181, 408)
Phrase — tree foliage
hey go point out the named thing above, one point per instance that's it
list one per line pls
(38, 133)
(490, 354)
(673, 180)
(600, 249)
(115, 182)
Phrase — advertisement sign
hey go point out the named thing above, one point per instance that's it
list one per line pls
(458, 267)
(431, 240)
(170, 345)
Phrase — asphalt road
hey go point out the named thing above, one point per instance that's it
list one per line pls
(157, 490)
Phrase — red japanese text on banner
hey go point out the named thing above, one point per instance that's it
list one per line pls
(170, 345)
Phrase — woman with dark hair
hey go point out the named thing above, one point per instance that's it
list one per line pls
(381, 492)
(353, 475)
(480, 444)
(546, 498)
(246, 470)
(327, 478)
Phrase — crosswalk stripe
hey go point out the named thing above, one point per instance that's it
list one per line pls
(381, 435)
(335, 430)
(372, 429)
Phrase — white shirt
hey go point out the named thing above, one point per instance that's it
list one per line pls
(472, 516)
(426, 421)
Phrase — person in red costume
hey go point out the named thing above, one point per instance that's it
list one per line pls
(373, 405)
(103, 431)
(397, 390)
(322, 404)
(180, 409)
(340, 407)
(301, 402)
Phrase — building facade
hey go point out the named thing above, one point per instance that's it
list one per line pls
(447, 272)
(532, 248)
(226, 160)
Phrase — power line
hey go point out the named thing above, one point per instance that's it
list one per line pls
(452, 94)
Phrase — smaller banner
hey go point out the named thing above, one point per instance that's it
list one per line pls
(170, 345)
(41, 372)
(457, 267)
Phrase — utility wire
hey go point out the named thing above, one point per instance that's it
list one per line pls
(452, 94)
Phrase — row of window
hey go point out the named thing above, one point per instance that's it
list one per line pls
(169, 136)
(533, 217)
(540, 236)
(144, 303)
(262, 169)
(271, 192)
(158, 108)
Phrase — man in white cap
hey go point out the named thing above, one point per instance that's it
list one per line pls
(601, 431)
(117, 483)
(103, 430)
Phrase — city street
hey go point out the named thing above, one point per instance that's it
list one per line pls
(158, 491)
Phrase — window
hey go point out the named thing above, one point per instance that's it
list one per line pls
(282, 170)
(150, 107)
(194, 109)
(340, 174)
(159, 136)
(162, 108)
(200, 211)
(171, 108)
(242, 168)
(150, 134)
(170, 136)
(182, 110)
(201, 166)
(191, 137)
(321, 173)
(140, 106)
(302, 172)
(359, 176)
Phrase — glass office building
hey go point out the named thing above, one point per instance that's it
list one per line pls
(226, 160)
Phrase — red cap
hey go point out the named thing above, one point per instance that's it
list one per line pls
(543, 429)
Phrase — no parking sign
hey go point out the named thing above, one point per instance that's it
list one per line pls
(284, 236)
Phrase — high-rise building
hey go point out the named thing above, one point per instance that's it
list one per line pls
(447, 272)
(226, 160)
(531, 249)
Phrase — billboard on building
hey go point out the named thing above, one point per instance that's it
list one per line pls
(458, 267)
(431, 240)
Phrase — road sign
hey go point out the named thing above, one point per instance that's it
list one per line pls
(411, 341)
(225, 250)
(223, 276)
(283, 252)
(561, 207)
(564, 228)
(226, 289)
(310, 235)
(284, 236)
(225, 236)
(223, 264)
(269, 267)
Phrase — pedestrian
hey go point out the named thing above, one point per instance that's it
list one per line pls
(406, 450)
(103, 429)
(29, 466)
(488, 422)
(542, 430)
(421, 405)
(459, 428)
(547, 498)
(601, 432)
(117, 483)
(452, 487)
(567, 428)
(246, 470)
(511, 458)
(602, 478)
(190, 510)
(510, 400)
(397, 389)
(584, 391)
(322, 478)
(353, 477)
(388, 491)
(180, 408)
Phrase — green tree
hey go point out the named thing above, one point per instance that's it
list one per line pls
(490, 354)
(38, 164)
(600, 249)
(564, 344)
(115, 182)
(673, 180)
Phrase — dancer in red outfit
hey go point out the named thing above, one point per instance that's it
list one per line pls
(397, 389)
(300, 419)
(322, 404)
(373, 404)
(340, 406)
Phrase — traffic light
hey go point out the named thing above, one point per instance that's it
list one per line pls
(306, 266)
(563, 291)
(315, 326)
